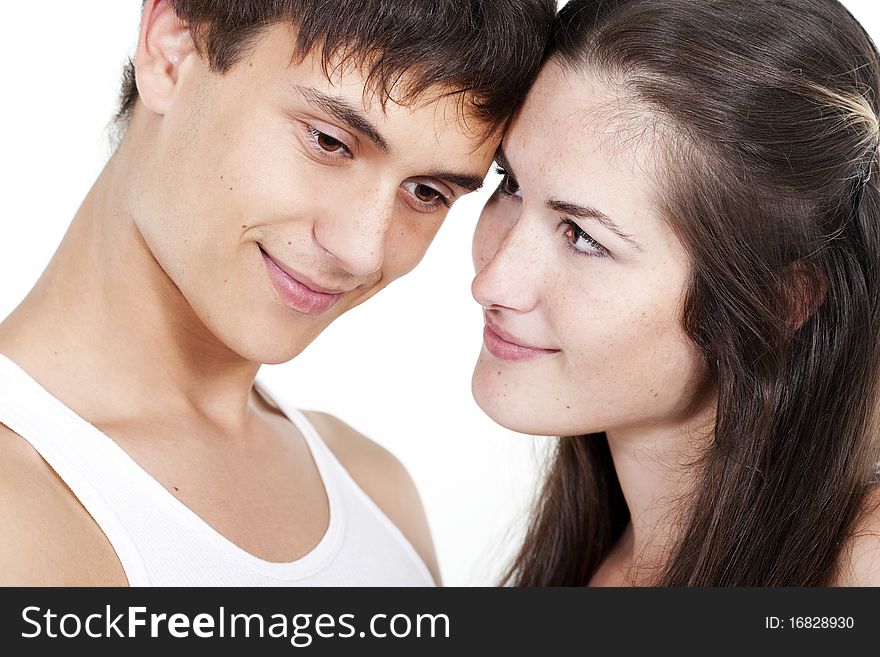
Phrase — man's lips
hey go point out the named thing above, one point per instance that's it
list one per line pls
(301, 278)
(297, 291)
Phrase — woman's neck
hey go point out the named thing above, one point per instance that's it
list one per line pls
(657, 468)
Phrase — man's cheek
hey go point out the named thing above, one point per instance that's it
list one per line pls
(405, 251)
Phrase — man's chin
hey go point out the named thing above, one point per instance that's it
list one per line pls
(271, 343)
(280, 350)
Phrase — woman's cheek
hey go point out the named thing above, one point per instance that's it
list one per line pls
(485, 241)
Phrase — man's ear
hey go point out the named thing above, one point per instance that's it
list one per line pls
(164, 44)
(807, 288)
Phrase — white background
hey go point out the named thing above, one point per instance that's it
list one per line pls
(397, 369)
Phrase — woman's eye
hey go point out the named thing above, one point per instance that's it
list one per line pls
(580, 242)
(324, 143)
(508, 185)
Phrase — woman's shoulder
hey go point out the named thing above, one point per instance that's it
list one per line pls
(383, 478)
(860, 561)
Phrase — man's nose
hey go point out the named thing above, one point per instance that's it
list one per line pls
(354, 233)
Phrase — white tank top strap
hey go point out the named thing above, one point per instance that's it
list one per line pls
(333, 470)
(68, 444)
(161, 541)
(324, 458)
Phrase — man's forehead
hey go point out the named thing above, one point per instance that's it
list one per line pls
(356, 79)
(440, 114)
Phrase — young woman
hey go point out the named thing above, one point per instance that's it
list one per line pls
(679, 274)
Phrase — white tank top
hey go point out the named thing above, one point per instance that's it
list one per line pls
(162, 542)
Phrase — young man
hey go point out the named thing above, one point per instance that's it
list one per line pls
(281, 165)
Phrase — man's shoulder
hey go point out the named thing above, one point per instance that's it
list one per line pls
(48, 538)
(354, 450)
(383, 478)
(27, 514)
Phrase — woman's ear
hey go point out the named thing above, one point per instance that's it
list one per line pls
(806, 287)
(164, 44)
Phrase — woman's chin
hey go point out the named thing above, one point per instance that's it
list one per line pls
(508, 410)
(489, 403)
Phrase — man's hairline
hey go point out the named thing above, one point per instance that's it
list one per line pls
(423, 98)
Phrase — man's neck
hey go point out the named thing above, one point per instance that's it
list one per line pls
(107, 330)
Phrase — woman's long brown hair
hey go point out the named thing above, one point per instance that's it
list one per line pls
(769, 133)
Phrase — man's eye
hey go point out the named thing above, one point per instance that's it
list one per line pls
(324, 144)
(426, 194)
(424, 197)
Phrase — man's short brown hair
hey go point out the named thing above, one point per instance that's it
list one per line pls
(487, 51)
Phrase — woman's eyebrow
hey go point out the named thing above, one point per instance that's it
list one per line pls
(345, 112)
(578, 211)
(574, 210)
(502, 160)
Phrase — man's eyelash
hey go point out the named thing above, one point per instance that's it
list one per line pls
(314, 137)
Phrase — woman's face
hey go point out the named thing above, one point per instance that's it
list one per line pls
(581, 281)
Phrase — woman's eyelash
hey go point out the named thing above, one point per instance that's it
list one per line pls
(507, 182)
(579, 234)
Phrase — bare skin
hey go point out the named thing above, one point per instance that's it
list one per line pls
(156, 312)
(51, 540)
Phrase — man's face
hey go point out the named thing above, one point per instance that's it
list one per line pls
(275, 200)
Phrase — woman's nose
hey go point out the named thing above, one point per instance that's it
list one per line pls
(508, 263)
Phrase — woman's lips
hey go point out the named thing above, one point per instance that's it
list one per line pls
(295, 294)
(506, 347)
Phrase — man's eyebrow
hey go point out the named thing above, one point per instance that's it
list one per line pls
(468, 182)
(355, 119)
(345, 112)
(577, 211)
